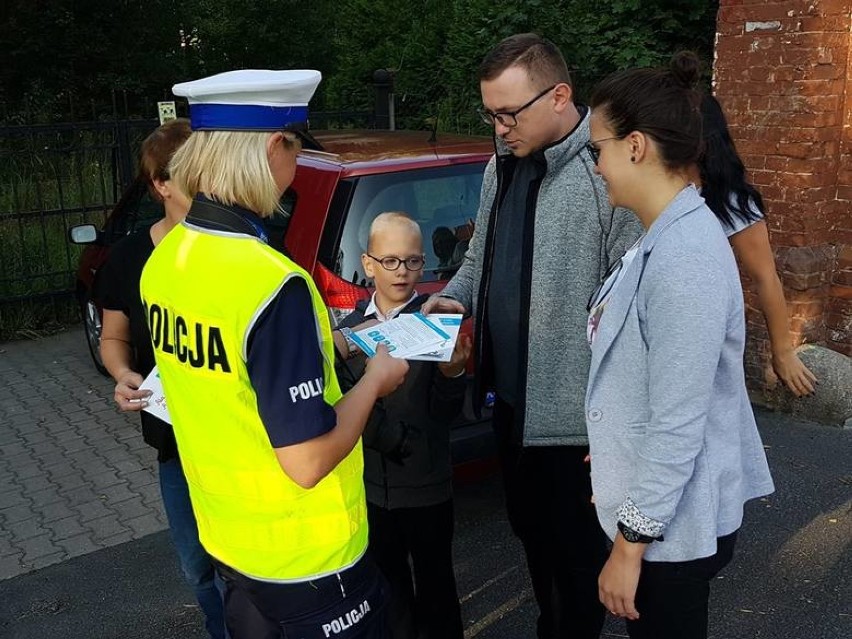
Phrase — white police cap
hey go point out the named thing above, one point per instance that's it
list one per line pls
(250, 99)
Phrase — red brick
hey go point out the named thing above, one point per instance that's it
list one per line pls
(826, 72)
(820, 87)
(841, 292)
(769, 11)
(771, 192)
(808, 134)
(815, 40)
(844, 257)
(754, 161)
(795, 165)
(844, 192)
(758, 103)
(825, 24)
(811, 195)
(731, 14)
(776, 163)
(763, 178)
(842, 278)
(834, 7)
(841, 236)
(801, 150)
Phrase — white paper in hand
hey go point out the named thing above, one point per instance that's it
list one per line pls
(157, 401)
(450, 323)
(405, 335)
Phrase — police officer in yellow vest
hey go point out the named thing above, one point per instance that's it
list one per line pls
(270, 448)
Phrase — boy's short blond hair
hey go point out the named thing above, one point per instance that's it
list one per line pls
(385, 221)
(230, 166)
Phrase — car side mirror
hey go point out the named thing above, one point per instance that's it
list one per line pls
(83, 234)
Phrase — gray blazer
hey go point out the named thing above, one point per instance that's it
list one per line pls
(675, 449)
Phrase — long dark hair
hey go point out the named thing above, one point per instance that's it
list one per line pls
(723, 181)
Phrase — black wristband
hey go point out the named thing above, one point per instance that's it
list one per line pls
(634, 537)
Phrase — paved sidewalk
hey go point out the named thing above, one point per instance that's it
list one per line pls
(75, 475)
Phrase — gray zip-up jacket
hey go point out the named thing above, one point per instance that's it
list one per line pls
(571, 237)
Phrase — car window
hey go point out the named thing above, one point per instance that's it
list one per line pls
(443, 201)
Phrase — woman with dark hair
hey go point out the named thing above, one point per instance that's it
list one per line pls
(129, 357)
(739, 207)
(674, 446)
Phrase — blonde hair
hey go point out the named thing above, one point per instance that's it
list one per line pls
(384, 221)
(229, 166)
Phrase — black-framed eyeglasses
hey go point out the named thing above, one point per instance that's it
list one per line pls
(390, 263)
(509, 119)
(593, 149)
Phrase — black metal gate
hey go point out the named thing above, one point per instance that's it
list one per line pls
(53, 176)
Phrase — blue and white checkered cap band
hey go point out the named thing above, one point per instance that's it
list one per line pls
(245, 117)
(250, 99)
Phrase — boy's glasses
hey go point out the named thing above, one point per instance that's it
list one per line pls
(509, 119)
(413, 263)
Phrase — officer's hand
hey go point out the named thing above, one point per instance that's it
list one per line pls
(127, 393)
(438, 304)
(386, 372)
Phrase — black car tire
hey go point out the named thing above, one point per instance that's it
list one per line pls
(92, 329)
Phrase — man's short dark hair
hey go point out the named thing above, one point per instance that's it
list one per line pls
(541, 59)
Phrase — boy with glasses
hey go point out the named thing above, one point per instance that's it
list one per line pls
(407, 470)
(545, 236)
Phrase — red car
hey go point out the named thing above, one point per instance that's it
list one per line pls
(336, 194)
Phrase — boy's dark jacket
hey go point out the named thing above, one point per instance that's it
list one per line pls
(407, 438)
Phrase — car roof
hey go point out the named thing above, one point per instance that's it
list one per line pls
(374, 147)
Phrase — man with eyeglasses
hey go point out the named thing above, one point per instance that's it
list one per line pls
(545, 235)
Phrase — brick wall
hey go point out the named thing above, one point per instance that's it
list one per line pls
(783, 72)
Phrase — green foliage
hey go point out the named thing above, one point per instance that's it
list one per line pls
(64, 59)
(60, 51)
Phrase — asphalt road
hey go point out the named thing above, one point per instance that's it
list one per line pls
(791, 579)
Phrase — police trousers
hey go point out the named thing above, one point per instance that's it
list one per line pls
(345, 605)
(548, 501)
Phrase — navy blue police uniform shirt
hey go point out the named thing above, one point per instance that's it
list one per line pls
(285, 367)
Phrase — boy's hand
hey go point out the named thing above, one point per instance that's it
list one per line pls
(461, 353)
(385, 372)
(438, 304)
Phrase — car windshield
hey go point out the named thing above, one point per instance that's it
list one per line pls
(443, 201)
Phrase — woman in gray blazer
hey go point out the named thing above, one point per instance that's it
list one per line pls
(674, 446)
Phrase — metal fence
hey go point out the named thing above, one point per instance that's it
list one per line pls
(53, 176)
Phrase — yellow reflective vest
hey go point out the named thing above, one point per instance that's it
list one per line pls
(203, 290)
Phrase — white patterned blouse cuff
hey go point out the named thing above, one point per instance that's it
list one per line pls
(630, 515)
